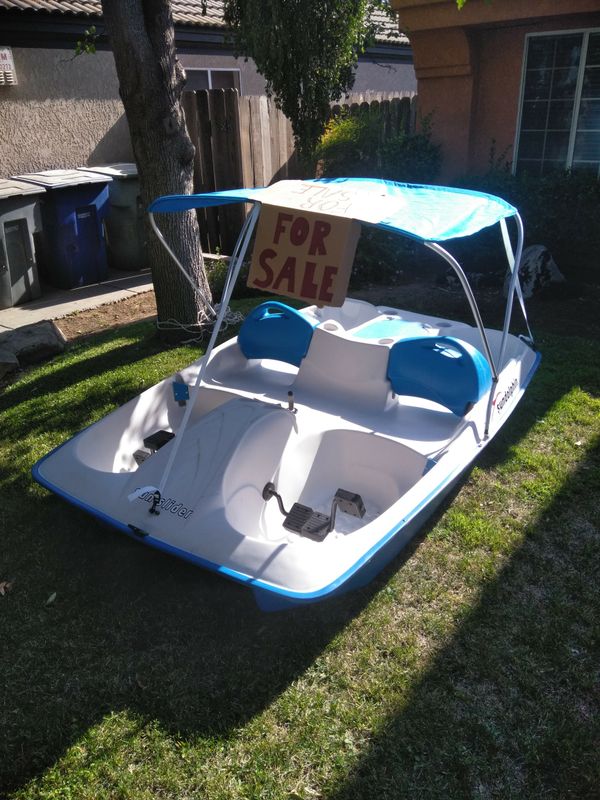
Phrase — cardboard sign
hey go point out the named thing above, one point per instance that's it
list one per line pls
(303, 254)
(374, 203)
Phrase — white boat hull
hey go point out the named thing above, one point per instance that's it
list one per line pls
(348, 430)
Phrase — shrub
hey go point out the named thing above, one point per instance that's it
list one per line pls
(560, 210)
(216, 272)
(411, 159)
(352, 146)
(349, 146)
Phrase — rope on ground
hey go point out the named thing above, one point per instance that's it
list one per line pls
(205, 321)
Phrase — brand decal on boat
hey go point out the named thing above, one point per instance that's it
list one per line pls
(169, 504)
(502, 398)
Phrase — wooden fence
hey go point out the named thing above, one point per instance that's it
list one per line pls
(247, 141)
(397, 111)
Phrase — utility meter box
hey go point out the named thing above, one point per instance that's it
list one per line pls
(125, 223)
(20, 220)
(72, 249)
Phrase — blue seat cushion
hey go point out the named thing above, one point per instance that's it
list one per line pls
(274, 330)
(443, 369)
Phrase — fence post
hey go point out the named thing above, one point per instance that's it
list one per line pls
(226, 161)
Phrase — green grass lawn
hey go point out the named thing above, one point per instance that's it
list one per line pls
(469, 669)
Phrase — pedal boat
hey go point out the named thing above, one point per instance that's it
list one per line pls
(301, 456)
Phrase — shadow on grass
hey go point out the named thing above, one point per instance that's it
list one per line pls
(79, 366)
(132, 629)
(510, 707)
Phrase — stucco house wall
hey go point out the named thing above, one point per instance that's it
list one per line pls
(65, 111)
(469, 66)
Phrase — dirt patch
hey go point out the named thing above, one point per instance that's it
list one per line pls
(562, 311)
(111, 315)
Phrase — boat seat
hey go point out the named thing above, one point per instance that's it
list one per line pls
(443, 369)
(275, 331)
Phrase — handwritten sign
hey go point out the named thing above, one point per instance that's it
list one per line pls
(303, 254)
(368, 200)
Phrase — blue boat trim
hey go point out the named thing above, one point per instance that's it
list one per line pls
(532, 371)
(241, 577)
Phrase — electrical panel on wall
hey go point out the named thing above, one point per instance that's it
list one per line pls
(8, 75)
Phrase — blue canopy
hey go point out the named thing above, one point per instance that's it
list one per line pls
(427, 213)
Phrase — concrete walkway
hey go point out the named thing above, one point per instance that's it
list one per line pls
(56, 303)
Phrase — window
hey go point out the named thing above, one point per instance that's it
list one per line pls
(198, 79)
(560, 104)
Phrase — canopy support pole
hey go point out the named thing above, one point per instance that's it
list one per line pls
(235, 265)
(470, 297)
(182, 269)
(514, 261)
(475, 309)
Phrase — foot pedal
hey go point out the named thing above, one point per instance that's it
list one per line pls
(158, 440)
(306, 522)
(141, 455)
(350, 503)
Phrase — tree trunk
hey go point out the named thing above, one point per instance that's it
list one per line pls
(151, 82)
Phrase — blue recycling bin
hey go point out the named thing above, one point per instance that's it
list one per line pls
(125, 225)
(20, 221)
(72, 249)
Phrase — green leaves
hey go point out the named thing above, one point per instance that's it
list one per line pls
(88, 43)
(306, 51)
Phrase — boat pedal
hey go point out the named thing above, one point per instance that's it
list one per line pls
(141, 455)
(349, 502)
(157, 440)
(303, 520)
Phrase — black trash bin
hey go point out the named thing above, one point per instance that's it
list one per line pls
(72, 249)
(20, 219)
(125, 229)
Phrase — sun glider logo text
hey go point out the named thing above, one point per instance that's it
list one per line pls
(169, 504)
(502, 399)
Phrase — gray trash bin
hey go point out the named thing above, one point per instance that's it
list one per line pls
(20, 219)
(125, 227)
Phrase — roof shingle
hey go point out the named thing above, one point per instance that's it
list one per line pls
(185, 12)
(208, 13)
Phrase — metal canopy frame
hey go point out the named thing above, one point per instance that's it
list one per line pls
(235, 265)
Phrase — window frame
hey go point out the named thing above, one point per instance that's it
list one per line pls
(587, 32)
(210, 70)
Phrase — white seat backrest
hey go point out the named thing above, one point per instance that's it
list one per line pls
(345, 370)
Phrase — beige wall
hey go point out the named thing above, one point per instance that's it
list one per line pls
(66, 111)
(62, 113)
